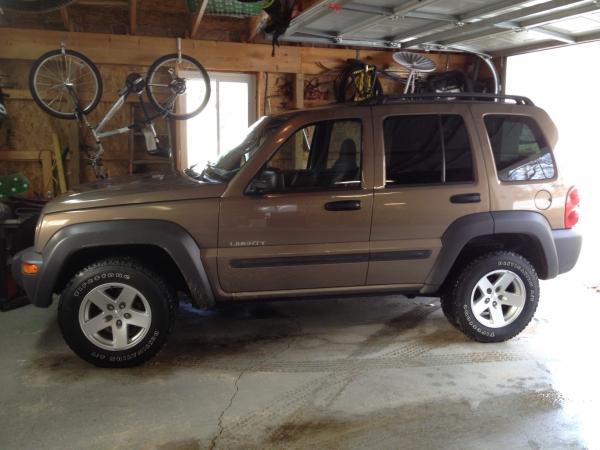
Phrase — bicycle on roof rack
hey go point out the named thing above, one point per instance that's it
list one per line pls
(359, 81)
(66, 84)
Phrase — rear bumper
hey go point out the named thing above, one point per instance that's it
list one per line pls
(29, 283)
(568, 247)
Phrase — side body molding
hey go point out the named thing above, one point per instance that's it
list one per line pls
(463, 230)
(168, 236)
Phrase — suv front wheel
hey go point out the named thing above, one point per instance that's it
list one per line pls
(116, 313)
(495, 297)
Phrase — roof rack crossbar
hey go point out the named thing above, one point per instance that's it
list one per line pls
(473, 96)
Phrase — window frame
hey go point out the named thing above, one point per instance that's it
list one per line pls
(491, 150)
(438, 184)
(359, 186)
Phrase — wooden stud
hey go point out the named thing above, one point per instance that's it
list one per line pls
(197, 18)
(253, 24)
(74, 163)
(64, 15)
(47, 181)
(261, 93)
(132, 16)
(58, 163)
(298, 91)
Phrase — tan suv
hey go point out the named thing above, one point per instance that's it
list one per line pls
(452, 197)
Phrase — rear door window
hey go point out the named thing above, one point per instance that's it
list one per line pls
(427, 149)
(521, 152)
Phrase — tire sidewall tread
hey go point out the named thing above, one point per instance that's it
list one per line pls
(120, 270)
(472, 273)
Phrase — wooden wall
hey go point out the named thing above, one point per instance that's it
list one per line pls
(295, 77)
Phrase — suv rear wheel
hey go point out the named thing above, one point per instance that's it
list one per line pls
(116, 313)
(495, 297)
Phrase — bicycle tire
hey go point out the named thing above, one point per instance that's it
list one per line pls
(155, 102)
(34, 6)
(38, 98)
(347, 76)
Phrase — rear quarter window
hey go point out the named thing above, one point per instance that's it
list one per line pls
(521, 152)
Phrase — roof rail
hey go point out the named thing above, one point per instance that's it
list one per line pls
(464, 96)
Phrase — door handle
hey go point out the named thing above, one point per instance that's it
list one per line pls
(474, 197)
(344, 205)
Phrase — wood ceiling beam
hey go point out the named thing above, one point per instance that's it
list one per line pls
(127, 50)
(197, 18)
(107, 3)
(133, 16)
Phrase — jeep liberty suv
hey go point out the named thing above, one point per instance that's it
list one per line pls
(458, 197)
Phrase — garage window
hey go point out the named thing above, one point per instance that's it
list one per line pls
(223, 124)
(427, 149)
(520, 149)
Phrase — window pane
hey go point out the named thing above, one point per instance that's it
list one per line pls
(233, 115)
(325, 155)
(201, 130)
(412, 150)
(459, 159)
(520, 149)
(415, 155)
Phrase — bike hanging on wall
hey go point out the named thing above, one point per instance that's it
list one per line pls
(66, 84)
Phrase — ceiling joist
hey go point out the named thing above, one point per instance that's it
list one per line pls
(132, 16)
(197, 18)
(66, 20)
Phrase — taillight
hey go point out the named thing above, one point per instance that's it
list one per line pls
(572, 208)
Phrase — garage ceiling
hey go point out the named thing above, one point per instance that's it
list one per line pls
(499, 28)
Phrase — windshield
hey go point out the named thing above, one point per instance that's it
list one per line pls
(230, 163)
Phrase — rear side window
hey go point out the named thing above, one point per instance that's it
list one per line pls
(427, 149)
(521, 152)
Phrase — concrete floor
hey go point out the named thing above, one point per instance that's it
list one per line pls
(354, 373)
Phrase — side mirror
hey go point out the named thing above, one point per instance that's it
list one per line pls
(266, 181)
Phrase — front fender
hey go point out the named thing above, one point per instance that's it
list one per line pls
(168, 236)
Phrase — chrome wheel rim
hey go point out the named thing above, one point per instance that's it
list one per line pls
(498, 298)
(115, 316)
(56, 72)
(168, 86)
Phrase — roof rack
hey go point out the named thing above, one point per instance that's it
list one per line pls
(464, 96)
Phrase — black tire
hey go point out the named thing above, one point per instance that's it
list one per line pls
(42, 104)
(127, 272)
(155, 66)
(466, 282)
(448, 310)
(34, 6)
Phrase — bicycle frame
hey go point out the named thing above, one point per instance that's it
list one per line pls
(98, 131)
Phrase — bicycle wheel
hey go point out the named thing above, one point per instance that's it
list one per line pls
(34, 6)
(51, 76)
(178, 87)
